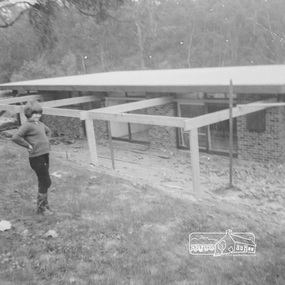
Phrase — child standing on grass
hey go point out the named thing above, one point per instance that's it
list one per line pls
(34, 135)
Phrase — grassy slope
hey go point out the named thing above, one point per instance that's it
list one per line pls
(113, 232)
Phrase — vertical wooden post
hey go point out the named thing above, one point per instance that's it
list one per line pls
(23, 118)
(130, 131)
(91, 140)
(209, 139)
(111, 144)
(231, 134)
(195, 164)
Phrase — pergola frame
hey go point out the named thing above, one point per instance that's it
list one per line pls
(117, 113)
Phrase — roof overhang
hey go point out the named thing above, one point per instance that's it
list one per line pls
(263, 79)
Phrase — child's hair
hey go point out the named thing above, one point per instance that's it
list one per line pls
(31, 108)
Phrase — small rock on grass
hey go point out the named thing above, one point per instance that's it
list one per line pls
(51, 233)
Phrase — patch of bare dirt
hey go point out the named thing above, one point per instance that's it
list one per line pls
(255, 184)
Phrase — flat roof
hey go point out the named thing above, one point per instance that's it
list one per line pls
(269, 79)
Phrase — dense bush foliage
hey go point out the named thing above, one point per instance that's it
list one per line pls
(147, 34)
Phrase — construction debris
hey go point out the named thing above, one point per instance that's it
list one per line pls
(5, 225)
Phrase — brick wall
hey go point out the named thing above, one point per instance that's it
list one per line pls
(74, 127)
(262, 146)
(101, 131)
(281, 132)
(71, 127)
(160, 136)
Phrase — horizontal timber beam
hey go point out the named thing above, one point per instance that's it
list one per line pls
(223, 115)
(136, 105)
(11, 108)
(139, 119)
(63, 112)
(72, 101)
(48, 111)
(125, 98)
(201, 101)
(268, 105)
(21, 99)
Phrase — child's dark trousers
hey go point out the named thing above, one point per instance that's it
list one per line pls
(40, 165)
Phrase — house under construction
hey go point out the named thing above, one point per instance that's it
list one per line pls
(228, 110)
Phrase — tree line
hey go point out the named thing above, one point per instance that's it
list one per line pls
(75, 37)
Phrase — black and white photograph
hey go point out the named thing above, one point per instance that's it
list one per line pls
(142, 142)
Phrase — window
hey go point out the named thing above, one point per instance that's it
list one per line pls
(255, 122)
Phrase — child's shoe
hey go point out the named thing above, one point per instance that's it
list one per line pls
(41, 204)
(43, 207)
